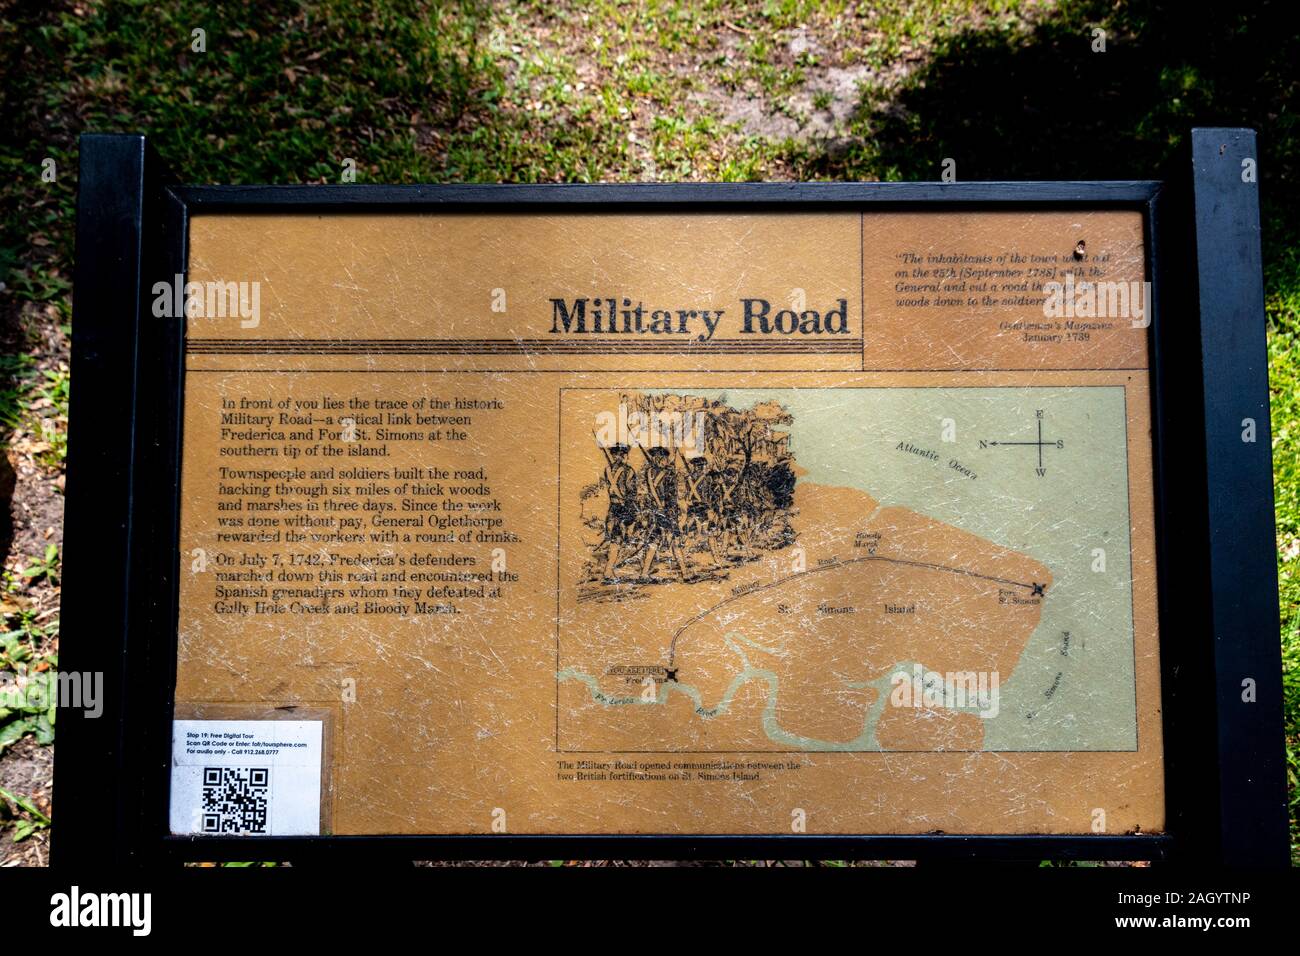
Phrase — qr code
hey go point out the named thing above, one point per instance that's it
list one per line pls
(235, 799)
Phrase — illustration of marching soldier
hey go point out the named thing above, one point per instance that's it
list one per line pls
(702, 518)
(620, 483)
(661, 514)
(728, 508)
(727, 492)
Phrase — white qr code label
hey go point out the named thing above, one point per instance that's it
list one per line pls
(246, 777)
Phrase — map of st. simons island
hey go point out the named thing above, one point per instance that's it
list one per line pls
(846, 569)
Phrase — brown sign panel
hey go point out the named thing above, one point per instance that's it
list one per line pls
(631, 522)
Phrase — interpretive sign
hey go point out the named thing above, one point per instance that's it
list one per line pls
(684, 513)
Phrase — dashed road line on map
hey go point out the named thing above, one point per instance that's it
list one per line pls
(1034, 587)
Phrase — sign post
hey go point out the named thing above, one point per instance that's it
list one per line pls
(842, 520)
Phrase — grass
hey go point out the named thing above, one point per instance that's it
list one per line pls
(25, 816)
(1283, 306)
(18, 377)
(29, 664)
(540, 91)
(26, 684)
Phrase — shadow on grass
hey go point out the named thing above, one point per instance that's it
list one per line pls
(1043, 104)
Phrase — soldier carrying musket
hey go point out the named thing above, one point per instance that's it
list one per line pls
(620, 482)
(728, 506)
(700, 491)
(658, 482)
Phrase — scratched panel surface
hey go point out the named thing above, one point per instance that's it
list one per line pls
(681, 523)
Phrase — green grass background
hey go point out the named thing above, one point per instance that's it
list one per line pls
(577, 92)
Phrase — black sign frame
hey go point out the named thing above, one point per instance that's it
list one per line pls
(1218, 610)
